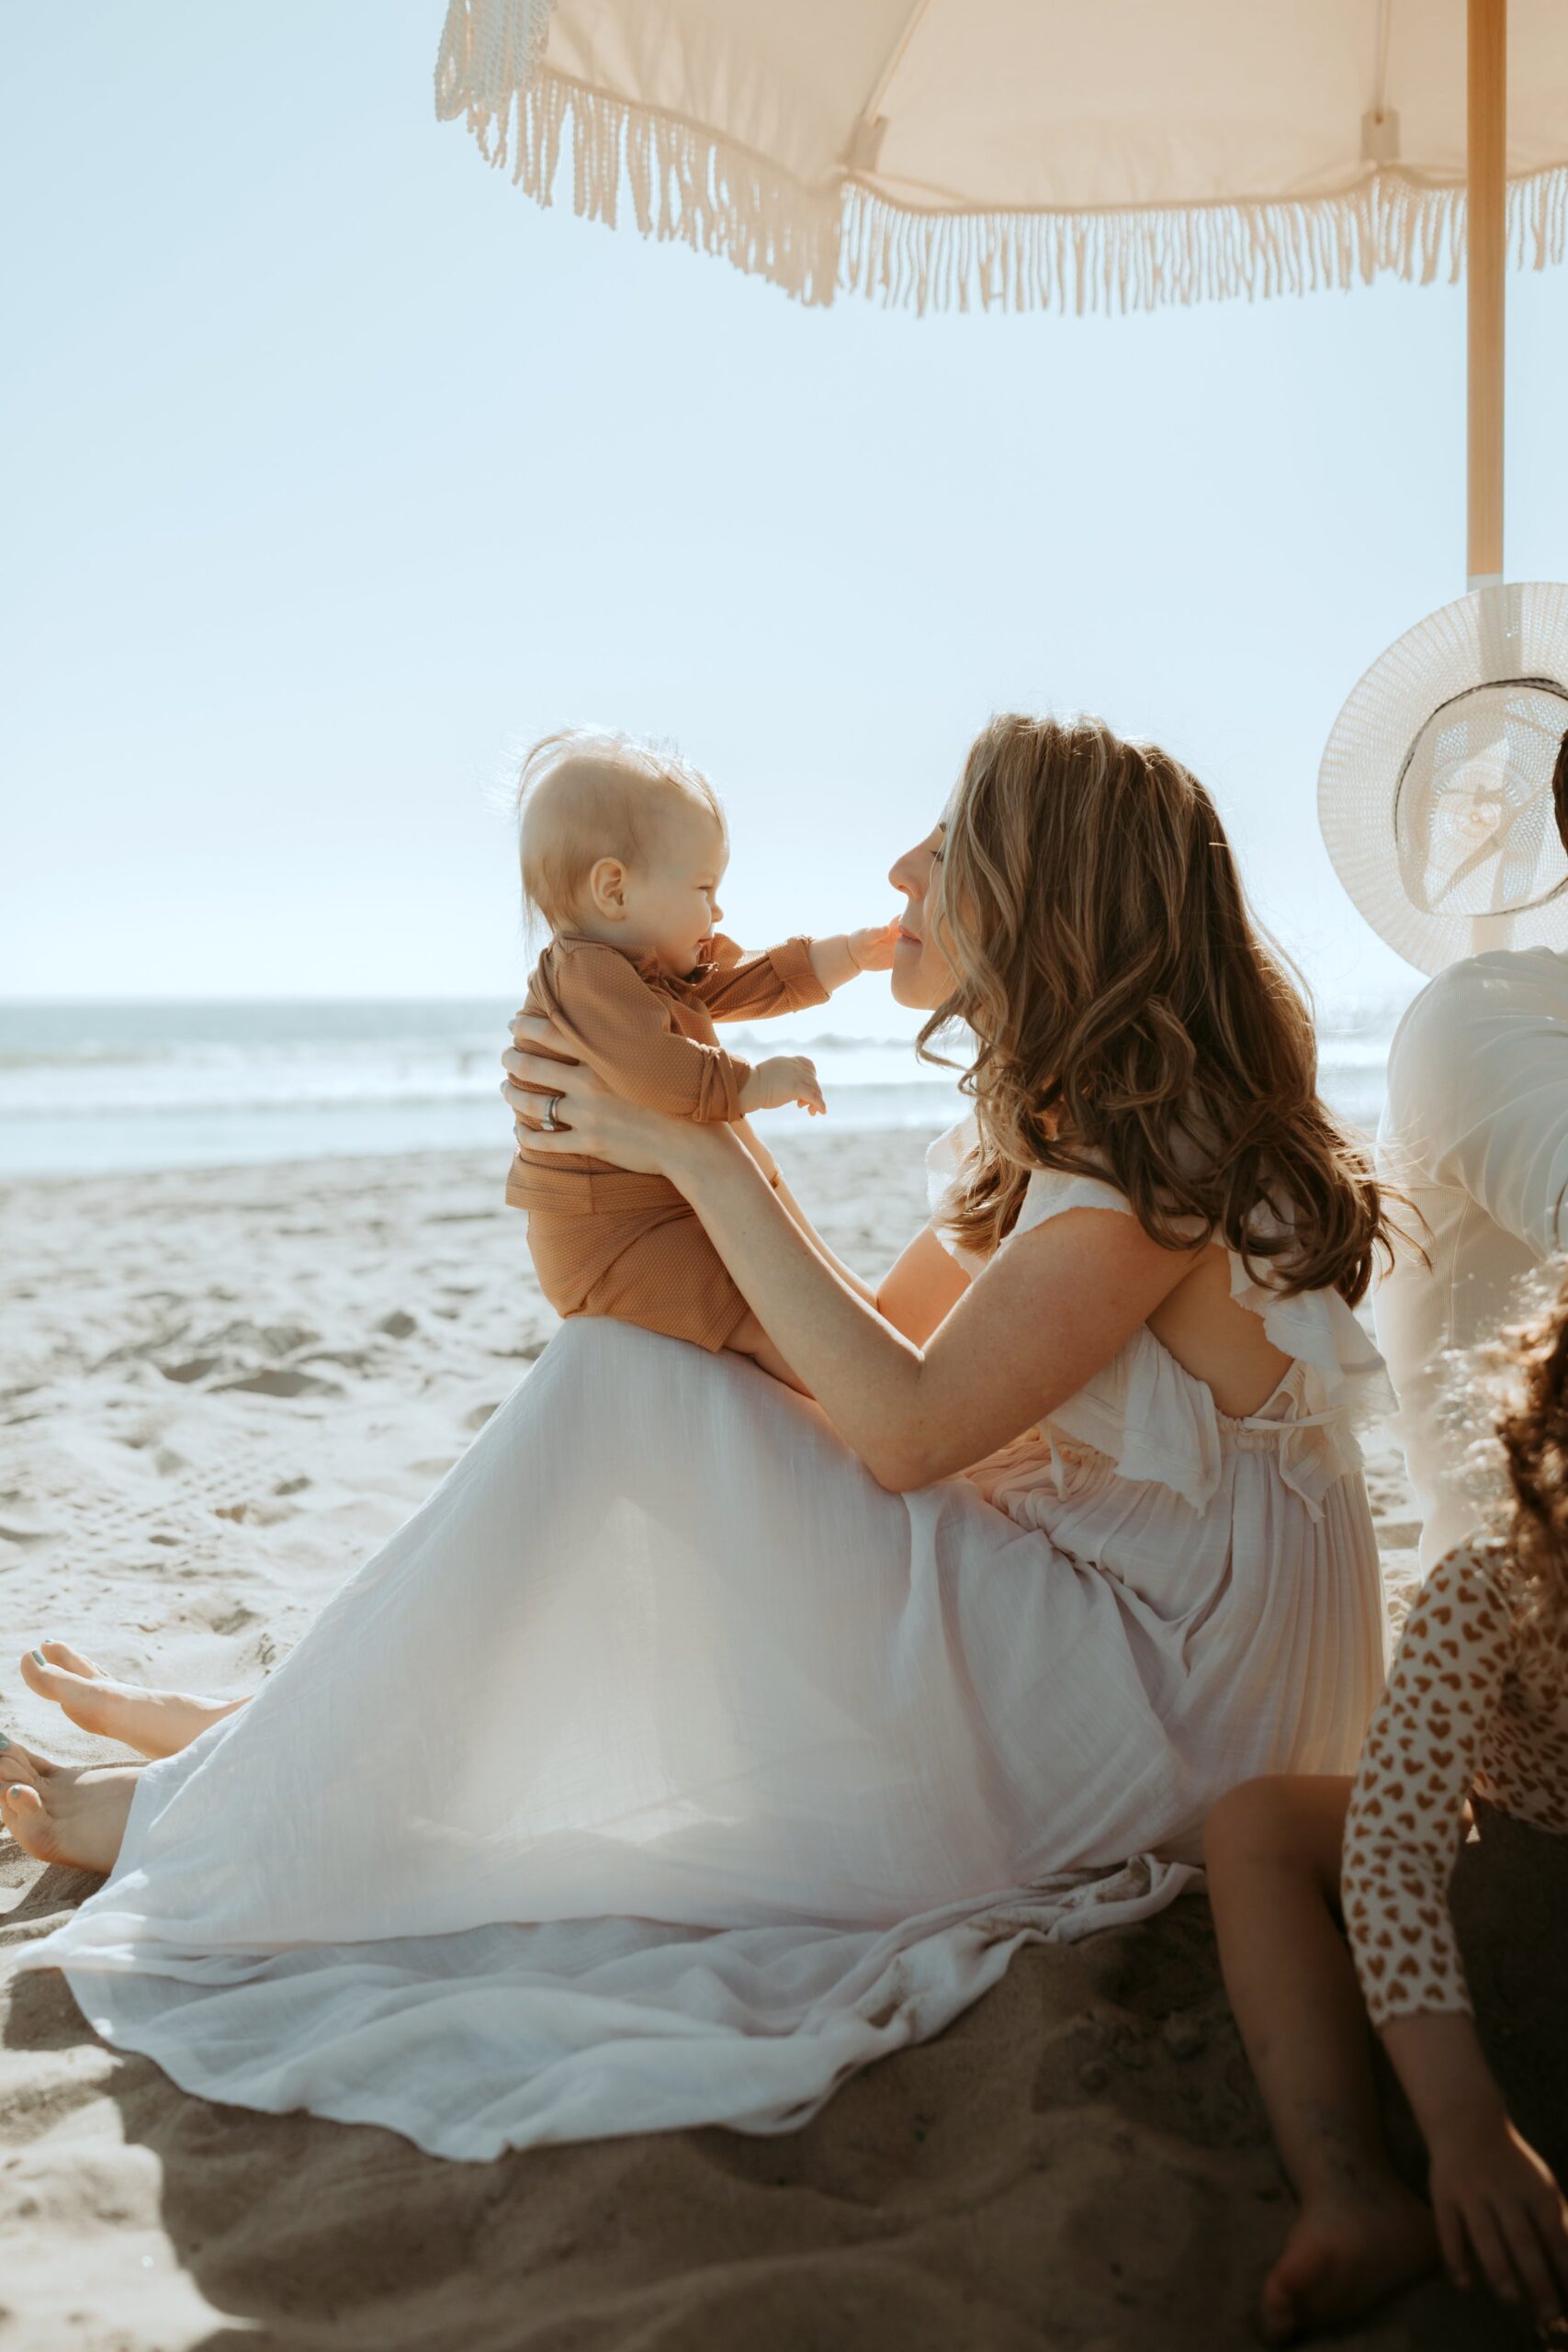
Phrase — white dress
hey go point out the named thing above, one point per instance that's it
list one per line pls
(1474, 1133)
(664, 1769)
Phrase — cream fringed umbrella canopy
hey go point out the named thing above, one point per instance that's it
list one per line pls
(1113, 155)
(1018, 153)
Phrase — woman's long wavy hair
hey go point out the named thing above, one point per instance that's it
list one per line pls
(1131, 1020)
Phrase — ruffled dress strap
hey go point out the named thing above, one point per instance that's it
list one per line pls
(1338, 1382)
(1151, 1418)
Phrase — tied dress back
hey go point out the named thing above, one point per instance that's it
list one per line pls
(664, 1769)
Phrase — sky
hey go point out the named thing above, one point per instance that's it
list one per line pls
(337, 471)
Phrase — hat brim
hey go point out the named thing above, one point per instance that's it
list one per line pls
(1510, 632)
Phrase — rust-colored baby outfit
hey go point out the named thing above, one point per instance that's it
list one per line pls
(604, 1239)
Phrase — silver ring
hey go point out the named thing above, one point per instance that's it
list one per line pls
(550, 1123)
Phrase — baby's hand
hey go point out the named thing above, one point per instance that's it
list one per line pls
(872, 950)
(785, 1077)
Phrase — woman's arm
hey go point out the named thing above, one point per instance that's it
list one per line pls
(924, 1279)
(1025, 1335)
(857, 1282)
(922, 1287)
(1043, 1317)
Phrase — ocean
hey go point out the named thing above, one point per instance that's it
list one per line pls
(94, 1087)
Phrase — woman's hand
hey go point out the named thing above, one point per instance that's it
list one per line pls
(593, 1118)
(1499, 2211)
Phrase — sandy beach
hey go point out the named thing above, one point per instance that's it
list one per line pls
(220, 1389)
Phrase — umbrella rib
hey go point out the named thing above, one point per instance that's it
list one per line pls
(1385, 26)
(866, 120)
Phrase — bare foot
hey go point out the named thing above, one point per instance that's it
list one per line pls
(1342, 2256)
(61, 1814)
(155, 1723)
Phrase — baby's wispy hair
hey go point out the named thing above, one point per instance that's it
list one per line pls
(586, 793)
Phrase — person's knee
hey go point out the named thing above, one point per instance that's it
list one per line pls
(1287, 1822)
(1250, 1823)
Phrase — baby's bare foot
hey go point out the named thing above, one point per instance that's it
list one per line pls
(155, 1723)
(61, 1814)
(1344, 2255)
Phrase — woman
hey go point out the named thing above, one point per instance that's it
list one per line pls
(695, 1743)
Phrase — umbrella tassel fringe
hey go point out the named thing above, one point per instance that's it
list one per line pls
(1134, 261)
(685, 185)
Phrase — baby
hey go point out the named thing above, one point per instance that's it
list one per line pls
(623, 850)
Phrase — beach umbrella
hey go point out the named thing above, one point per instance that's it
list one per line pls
(1079, 154)
(1435, 792)
(1030, 153)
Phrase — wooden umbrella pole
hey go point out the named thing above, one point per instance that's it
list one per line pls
(1488, 244)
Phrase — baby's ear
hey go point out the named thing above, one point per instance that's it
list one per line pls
(607, 879)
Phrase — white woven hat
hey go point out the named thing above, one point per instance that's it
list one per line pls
(1434, 792)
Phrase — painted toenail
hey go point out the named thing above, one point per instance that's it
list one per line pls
(5, 1742)
(40, 1657)
(15, 1790)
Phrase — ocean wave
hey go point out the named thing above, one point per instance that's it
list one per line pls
(111, 1085)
